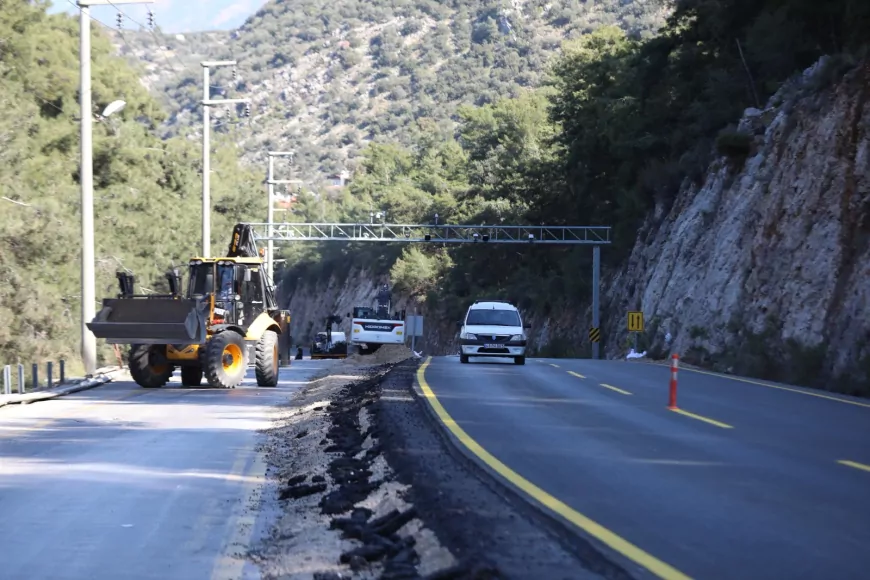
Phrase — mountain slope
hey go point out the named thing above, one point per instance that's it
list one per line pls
(146, 190)
(328, 76)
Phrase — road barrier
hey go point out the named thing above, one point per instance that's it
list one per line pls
(21, 383)
(672, 402)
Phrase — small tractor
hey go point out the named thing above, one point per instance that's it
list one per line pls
(329, 344)
(227, 317)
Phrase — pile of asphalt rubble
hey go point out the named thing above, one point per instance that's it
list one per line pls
(376, 539)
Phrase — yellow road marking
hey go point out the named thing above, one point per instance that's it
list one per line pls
(612, 388)
(227, 565)
(704, 419)
(854, 464)
(781, 388)
(606, 386)
(602, 534)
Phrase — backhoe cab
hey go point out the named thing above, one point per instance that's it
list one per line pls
(227, 317)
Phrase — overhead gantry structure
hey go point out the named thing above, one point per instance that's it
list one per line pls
(595, 236)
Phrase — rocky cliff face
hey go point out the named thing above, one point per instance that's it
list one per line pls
(310, 304)
(763, 270)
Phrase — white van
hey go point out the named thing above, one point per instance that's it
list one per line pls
(493, 328)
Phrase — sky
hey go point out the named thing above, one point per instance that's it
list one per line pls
(174, 16)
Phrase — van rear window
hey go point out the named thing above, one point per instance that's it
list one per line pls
(493, 318)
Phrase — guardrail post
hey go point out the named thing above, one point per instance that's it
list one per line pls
(35, 376)
(62, 371)
(49, 367)
(21, 386)
(7, 380)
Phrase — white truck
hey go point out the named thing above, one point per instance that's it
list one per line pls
(372, 327)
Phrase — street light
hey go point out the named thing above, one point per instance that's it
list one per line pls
(86, 176)
(270, 216)
(207, 102)
(113, 107)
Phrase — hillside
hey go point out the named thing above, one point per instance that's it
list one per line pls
(326, 77)
(729, 158)
(716, 159)
(146, 190)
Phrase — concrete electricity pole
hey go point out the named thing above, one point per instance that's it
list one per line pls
(270, 216)
(206, 145)
(596, 307)
(86, 176)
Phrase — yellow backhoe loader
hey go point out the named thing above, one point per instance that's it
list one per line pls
(227, 317)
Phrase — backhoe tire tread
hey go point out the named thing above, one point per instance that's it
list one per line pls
(216, 373)
(267, 362)
(143, 369)
(191, 376)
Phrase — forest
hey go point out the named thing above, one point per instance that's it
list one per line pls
(147, 192)
(616, 124)
(617, 127)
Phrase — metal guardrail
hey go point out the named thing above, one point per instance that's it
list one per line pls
(423, 233)
(21, 384)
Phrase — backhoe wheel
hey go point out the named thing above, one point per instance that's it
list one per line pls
(225, 363)
(148, 367)
(267, 360)
(191, 376)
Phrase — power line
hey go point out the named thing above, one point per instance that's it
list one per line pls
(160, 42)
(151, 28)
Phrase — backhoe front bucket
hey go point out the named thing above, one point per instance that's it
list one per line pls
(151, 321)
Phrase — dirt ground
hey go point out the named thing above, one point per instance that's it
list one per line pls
(342, 514)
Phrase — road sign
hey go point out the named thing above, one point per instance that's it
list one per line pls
(595, 334)
(635, 321)
(414, 325)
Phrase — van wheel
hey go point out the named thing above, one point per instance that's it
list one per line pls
(519, 360)
(267, 361)
(463, 358)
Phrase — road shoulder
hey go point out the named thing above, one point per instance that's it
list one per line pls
(102, 377)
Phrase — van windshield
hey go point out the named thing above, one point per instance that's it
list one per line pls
(493, 318)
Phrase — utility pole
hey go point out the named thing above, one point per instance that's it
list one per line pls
(272, 182)
(596, 275)
(206, 147)
(86, 177)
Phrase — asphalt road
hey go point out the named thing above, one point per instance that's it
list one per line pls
(124, 482)
(758, 493)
